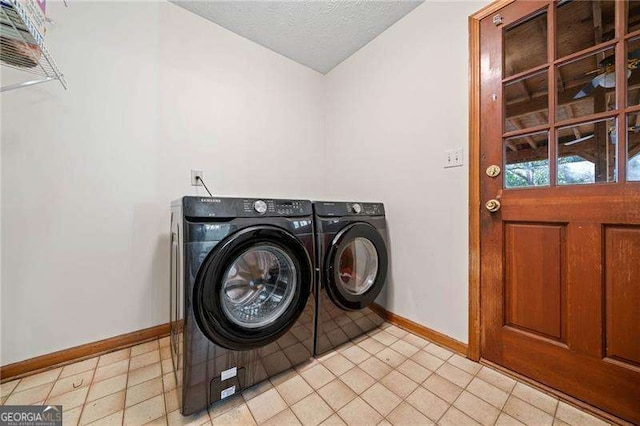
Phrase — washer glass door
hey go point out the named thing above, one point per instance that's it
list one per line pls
(258, 286)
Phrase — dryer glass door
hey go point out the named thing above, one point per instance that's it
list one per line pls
(356, 266)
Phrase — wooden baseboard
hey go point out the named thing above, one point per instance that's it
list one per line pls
(88, 350)
(421, 330)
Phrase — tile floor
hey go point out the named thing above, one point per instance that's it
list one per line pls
(386, 377)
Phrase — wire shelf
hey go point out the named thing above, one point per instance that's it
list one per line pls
(22, 46)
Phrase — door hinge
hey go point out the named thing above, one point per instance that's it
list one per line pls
(497, 19)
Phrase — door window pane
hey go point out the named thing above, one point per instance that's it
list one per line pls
(633, 147)
(525, 45)
(526, 161)
(258, 286)
(526, 102)
(633, 72)
(583, 24)
(633, 15)
(587, 153)
(586, 85)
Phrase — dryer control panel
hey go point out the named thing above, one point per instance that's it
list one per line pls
(209, 207)
(349, 208)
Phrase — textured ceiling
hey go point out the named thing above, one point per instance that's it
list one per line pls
(318, 34)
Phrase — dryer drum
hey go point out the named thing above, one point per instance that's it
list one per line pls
(252, 288)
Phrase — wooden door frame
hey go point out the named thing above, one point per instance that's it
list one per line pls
(474, 174)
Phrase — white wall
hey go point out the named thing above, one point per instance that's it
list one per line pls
(88, 174)
(392, 110)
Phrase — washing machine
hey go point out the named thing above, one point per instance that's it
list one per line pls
(242, 275)
(352, 263)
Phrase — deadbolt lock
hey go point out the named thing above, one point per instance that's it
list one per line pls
(493, 171)
(493, 205)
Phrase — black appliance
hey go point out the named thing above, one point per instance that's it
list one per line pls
(242, 275)
(352, 263)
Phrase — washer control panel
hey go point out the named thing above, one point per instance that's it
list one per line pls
(244, 207)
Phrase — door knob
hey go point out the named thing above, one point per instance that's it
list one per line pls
(493, 205)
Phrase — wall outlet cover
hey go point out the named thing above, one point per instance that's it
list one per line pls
(195, 174)
(453, 158)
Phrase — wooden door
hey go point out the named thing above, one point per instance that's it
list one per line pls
(560, 258)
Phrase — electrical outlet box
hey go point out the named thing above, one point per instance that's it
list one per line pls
(195, 174)
(453, 158)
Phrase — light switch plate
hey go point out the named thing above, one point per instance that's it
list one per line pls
(453, 158)
(194, 177)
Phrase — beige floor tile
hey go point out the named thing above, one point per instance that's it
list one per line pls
(144, 374)
(69, 400)
(317, 376)
(390, 357)
(526, 413)
(266, 405)
(489, 393)
(414, 371)
(171, 400)
(416, 341)
(375, 368)
(294, 389)
(381, 399)
(464, 364)
(145, 411)
(507, 420)
(238, 416)
(143, 391)
(169, 381)
(438, 351)
(427, 360)
(304, 366)
(454, 375)
(404, 348)
(257, 389)
(30, 396)
(164, 342)
(338, 364)
(455, 417)
(221, 407)
(165, 352)
(557, 422)
(396, 331)
(285, 418)
(356, 354)
(167, 365)
(497, 379)
(536, 398)
(114, 419)
(399, 384)
(427, 403)
(112, 357)
(78, 367)
(174, 418)
(8, 387)
(358, 412)
(405, 414)
(111, 370)
(384, 338)
(283, 377)
(371, 345)
(334, 420)
(160, 421)
(70, 383)
(102, 407)
(145, 359)
(312, 410)
(144, 348)
(575, 417)
(337, 394)
(357, 380)
(37, 380)
(71, 417)
(481, 411)
(107, 387)
(442, 387)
